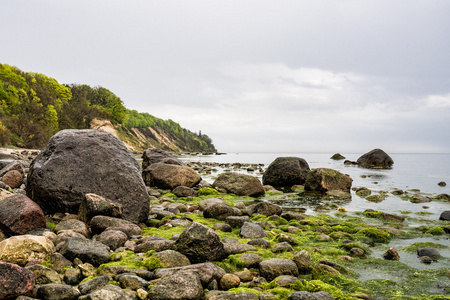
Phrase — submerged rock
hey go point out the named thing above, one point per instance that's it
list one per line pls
(286, 172)
(323, 180)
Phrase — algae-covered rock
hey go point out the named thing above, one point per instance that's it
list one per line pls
(337, 156)
(323, 180)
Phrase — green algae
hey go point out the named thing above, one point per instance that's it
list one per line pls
(414, 247)
(208, 192)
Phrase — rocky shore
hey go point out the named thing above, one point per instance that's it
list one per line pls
(82, 219)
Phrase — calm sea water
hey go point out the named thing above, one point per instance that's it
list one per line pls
(410, 172)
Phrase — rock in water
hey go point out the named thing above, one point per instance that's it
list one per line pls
(375, 159)
(323, 180)
(77, 162)
(286, 172)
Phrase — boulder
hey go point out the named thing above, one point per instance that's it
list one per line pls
(93, 284)
(132, 281)
(44, 275)
(154, 155)
(239, 184)
(168, 176)
(107, 292)
(303, 295)
(19, 214)
(219, 211)
(207, 272)
(237, 221)
(236, 248)
(200, 244)
(172, 259)
(251, 260)
(375, 159)
(323, 180)
(73, 225)
(264, 208)
(252, 231)
(94, 205)
(337, 156)
(184, 191)
(430, 252)
(22, 249)
(303, 262)
(97, 162)
(56, 291)
(286, 172)
(204, 203)
(88, 251)
(184, 285)
(272, 268)
(445, 215)
(100, 223)
(229, 281)
(155, 243)
(15, 281)
(113, 238)
(13, 179)
(11, 166)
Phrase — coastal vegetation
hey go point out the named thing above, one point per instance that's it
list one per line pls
(33, 107)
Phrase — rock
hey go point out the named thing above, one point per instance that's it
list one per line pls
(44, 275)
(286, 172)
(442, 183)
(107, 292)
(73, 225)
(25, 248)
(237, 221)
(272, 268)
(229, 281)
(73, 276)
(13, 179)
(363, 192)
(236, 248)
(239, 184)
(93, 284)
(303, 295)
(4, 193)
(431, 252)
(252, 231)
(94, 205)
(172, 259)
(184, 285)
(204, 203)
(207, 272)
(419, 199)
(375, 159)
(260, 242)
(58, 262)
(113, 238)
(12, 165)
(222, 295)
(337, 156)
(55, 291)
(200, 244)
(154, 155)
(303, 262)
(443, 197)
(323, 180)
(154, 243)
(358, 252)
(445, 215)
(291, 215)
(223, 227)
(131, 281)
(391, 254)
(282, 247)
(425, 259)
(184, 191)
(97, 162)
(19, 214)
(89, 251)
(219, 211)
(323, 268)
(15, 281)
(64, 235)
(168, 176)
(99, 224)
(285, 280)
(244, 275)
(264, 208)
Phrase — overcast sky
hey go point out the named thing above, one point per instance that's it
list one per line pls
(286, 76)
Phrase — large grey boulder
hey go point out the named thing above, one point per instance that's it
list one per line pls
(375, 159)
(200, 244)
(169, 176)
(239, 184)
(77, 162)
(286, 172)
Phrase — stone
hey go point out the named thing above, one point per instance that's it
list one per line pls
(73, 225)
(244, 275)
(94, 205)
(251, 260)
(107, 292)
(252, 231)
(323, 180)
(172, 259)
(425, 259)
(229, 281)
(303, 295)
(19, 215)
(337, 156)
(44, 275)
(375, 159)
(207, 272)
(12, 165)
(15, 281)
(391, 254)
(282, 247)
(264, 208)
(93, 284)
(184, 191)
(25, 248)
(260, 242)
(204, 203)
(445, 215)
(153, 243)
(358, 252)
(239, 184)
(154, 155)
(303, 262)
(442, 183)
(219, 211)
(223, 227)
(13, 179)
(131, 281)
(64, 235)
(56, 291)
(184, 285)
(99, 224)
(58, 262)
(324, 268)
(237, 221)
(236, 248)
(222, 295)
(89, 251)
(113, 238)
(168, 176)
(97, 162)
(431, 252)
(286, 172)
(200, 244)
(272, 268)
(73, 276)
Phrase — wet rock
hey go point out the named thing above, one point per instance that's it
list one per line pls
(425, 259)
(184, 191)
(25, 248)
(264, 208)
(113, 238)
(376, 158)
(323, 180)
(358, 252)
(363, 192)
(200, 243)
(219, 211)
(420, 199)
(56, 291)
(172, 259)
(182, 285)
(89, 251)
(252, 231)
(154, 155)
(291, 215)
(131, 281)
(207, 272)
(445, 215)
(107, 292)
(97, 162)
(443, 197)
(286, 172)
(442, 183)
(303, 262)
(19, 214)
(13, 179)
(93, 284)
(229, 281)
(239, 184)
(272, 268)
(303, 295)
(431, 252)
(44, 275)
(168, 176)
(15, 281)
(94, 205)
(391, 254)
(100, 223)
(236, 248)
(337, 156)
(73, 225)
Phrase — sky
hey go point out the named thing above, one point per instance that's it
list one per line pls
(254, 75)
